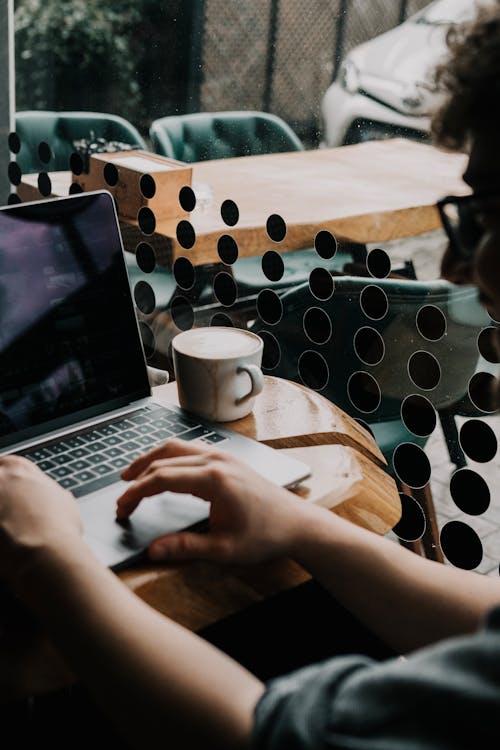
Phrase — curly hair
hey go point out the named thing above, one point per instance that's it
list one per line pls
(469, 81)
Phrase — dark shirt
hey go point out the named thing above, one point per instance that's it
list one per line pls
(443, 697)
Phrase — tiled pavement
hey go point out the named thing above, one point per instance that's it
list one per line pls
(425, 251)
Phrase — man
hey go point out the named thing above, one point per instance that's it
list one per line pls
(159, 683)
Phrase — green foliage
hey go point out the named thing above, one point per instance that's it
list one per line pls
(77, 54)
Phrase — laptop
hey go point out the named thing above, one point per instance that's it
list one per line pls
(74, 390)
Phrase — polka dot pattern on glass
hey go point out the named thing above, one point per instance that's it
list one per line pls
(374, 303)
(478, 440)
(227, 249)
(273, 266)
(230, 213)
(276, 228)
(271, 355)
(321, 283)
(411, 465)
(364, 392)
(424, 370)
(186, 236)
(378, 263)
(325, 244)
(317, 325)
(470, 492)
(269, 307)
(313, 370)
(461, 545)
(431, 322)
(411, 527)
(225, 288)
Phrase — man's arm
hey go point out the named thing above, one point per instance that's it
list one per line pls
(153, 678)
(407, 600)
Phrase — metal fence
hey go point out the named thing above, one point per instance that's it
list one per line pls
(281, 55)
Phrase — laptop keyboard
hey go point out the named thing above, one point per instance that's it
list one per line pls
(90, 459)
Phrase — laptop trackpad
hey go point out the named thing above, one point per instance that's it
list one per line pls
(115, 542)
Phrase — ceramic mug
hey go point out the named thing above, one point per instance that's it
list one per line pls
(217, 370)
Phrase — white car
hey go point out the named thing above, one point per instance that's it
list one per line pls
(382, 88)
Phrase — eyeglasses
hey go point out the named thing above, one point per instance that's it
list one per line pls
(463, 220)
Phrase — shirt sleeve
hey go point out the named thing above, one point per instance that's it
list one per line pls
(445, 697)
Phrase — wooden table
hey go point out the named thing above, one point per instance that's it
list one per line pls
(346, 477)
(370, 192)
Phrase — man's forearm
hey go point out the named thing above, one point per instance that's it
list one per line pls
(407, 600)
(152, 677)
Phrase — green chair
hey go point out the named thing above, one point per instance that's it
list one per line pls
(220, 135)
(377, 339)
(60, 130)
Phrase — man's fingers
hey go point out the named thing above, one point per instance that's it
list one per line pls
(170, 449)
(184, 545)
(190, 480)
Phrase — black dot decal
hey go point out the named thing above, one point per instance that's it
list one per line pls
(269, 307)
(478, 440)
(482, 392)
(13, 199)
(110, 174)
(469, 492)
(221, 319)
(182, 313)
(418, 415)
(44, 184)
(144, 297)
(431, 322)
(148, 339)
(373, 301)
(76, 163)
(411, 465)
(44, 152)
(365, 426)
(461, 545)
(145, 257)
(184, 273)
(273, 266)
(378, 263)
(412, 524)
(321, 283)
(486, 345)
(369, 345)
(147, 186)
(230, 213)
(271, 354)
(225, 289)
(146, 219)
(14, 143)
(364, 392)
(424, 370)
(186, 236)
(276, 228)
(227, 249)
(313, 370)
(75, 188)
(187, 198)
(317, 325)
(325, 244)
(14, 172)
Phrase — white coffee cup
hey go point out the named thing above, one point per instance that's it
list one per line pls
(217, 370)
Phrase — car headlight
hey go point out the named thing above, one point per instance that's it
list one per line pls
(349, 76)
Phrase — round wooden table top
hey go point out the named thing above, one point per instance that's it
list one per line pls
(346, 476)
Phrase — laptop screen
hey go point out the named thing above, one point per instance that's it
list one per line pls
(69, 342)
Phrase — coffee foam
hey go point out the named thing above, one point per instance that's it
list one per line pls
(215, 343)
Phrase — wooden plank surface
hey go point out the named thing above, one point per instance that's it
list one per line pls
(370, 192)
(346, 476)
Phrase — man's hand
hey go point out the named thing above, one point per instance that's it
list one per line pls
(251, 519)
(35, 514)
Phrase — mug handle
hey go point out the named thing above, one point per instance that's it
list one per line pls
(257, 379)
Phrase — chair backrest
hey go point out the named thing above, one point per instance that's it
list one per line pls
(374, 342)
(60, 129)
(220, 135)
